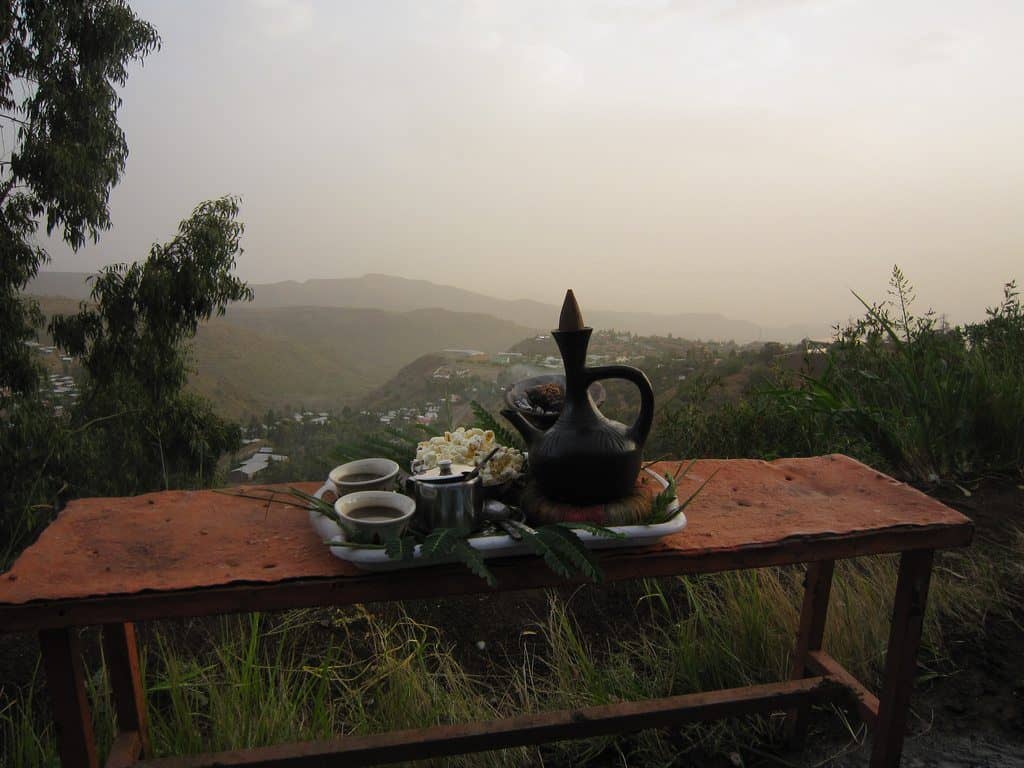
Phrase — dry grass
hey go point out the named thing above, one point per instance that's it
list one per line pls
(254, 681)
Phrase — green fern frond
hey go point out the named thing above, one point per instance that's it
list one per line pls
(473, 560)
(401, 548)
(429, 430)
(502, 434)
(532, 539)
(440, 542)
(451, 542)
(568, 545)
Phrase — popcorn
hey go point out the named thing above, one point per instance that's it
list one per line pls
(469, 446)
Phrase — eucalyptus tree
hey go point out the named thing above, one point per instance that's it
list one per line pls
(133, 343)
(135, 427)
(61, 62)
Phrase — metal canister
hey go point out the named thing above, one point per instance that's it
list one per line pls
(447, 496)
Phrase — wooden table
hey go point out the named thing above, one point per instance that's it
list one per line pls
(193, 553)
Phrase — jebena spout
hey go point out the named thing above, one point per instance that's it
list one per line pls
(529, 432)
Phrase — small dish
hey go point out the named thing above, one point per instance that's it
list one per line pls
(364, 475)
(373, 517)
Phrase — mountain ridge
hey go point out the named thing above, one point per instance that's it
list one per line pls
(387, 292)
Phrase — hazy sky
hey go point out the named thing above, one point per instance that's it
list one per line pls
(756, 158)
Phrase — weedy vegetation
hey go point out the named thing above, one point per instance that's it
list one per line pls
(256, 680)
(937, 402)
(925, 401)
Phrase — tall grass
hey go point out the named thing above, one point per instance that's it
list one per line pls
(250, 681)
(938, 402)
(924, 400)
(737, 629)
(759, 426)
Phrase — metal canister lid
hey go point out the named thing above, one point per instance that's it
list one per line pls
(444, 472)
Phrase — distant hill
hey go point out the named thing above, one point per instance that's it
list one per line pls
(388, 292)
(319, 357)
(245, 372)
(71, 285)
(412, 385)
(399, 294)
(368, 346)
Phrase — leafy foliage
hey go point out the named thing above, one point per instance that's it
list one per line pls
(60, 61)
(132, 344)
(401, 548)
(661, 506)
(440, 545)
(552, 558)
(925, 400)
(473, 560)
(662, 503)
(439, 542)
(502, 434)
(142, 312)
(570, 549)
(937, 402)
(561, 549)
(443, 543)
(393, 443)
(558, 545)
(134, 429)
(33, 448)
(701, 421)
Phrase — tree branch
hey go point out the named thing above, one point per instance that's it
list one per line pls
(14, 119)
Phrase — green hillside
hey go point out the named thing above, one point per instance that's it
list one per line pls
(319, 357)
(381, 340)
(245, 372)
(326, 357)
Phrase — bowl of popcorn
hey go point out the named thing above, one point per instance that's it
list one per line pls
(471, 446)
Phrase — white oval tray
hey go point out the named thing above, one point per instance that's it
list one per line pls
(498, 545)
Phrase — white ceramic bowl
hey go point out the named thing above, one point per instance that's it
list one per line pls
(363, 530)
(384, 473)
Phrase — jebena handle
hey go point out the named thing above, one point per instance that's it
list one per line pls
(642, 426)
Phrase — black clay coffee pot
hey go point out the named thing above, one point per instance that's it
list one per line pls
(585, 458)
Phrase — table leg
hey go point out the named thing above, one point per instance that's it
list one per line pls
(817, 587)
(65, 678)
(901, 657)
(122, 656)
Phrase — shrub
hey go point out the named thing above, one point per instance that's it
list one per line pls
(938, 403)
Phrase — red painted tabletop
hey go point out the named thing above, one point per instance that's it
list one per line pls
(180, 540)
